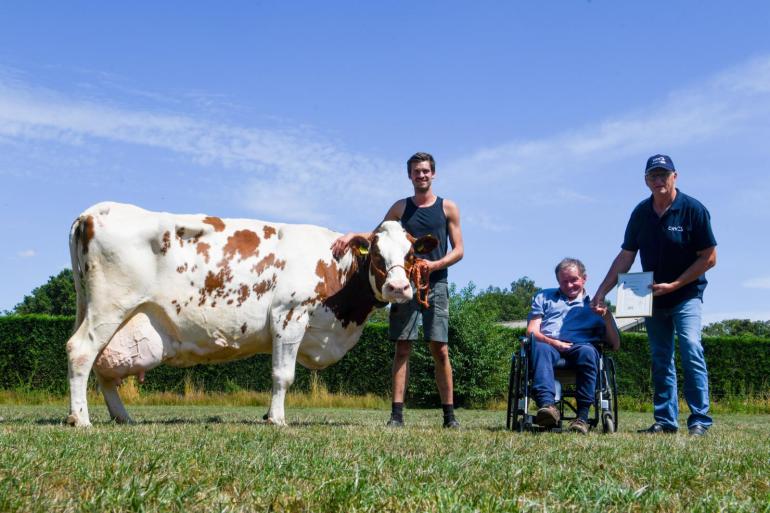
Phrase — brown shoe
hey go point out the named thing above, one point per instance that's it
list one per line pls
(547, 416)
(578, 426)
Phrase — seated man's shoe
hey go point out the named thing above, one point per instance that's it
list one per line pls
(697, 430)
(452, 424)
(395, 422)
(578, 426)
(547, 416)
(658, 428)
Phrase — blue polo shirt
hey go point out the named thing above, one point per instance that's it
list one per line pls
(569, 321)
(669, 244)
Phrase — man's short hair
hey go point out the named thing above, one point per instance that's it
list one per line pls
(566, 263)
(420, 157)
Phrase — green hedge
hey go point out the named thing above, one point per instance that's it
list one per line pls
(736, 365)
(32, 356)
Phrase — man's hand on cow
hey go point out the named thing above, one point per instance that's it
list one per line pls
(340, 246)
(660, 289)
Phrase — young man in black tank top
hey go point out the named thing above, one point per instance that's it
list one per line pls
(422, 214)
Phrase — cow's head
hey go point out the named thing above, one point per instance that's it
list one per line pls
(391, 256)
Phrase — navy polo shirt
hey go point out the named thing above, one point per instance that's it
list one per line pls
(565, 319)
(669, 244)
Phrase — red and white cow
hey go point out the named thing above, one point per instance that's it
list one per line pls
(187, 289)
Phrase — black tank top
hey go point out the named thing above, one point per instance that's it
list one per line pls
(428, 221)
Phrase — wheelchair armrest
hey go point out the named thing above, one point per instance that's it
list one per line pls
(604, 347)
(526, 340)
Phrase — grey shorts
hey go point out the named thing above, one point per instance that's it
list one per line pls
(435, 320)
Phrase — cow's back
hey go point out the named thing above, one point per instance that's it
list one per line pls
(206, 283)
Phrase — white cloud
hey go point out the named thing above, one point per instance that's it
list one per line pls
(292, 166)
(27, 253)
(298, 171)
(762, 282)
(692, 114)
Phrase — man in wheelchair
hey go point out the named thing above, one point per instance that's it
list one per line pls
(562, 325)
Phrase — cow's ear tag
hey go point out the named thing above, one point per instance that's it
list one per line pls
(359, 246)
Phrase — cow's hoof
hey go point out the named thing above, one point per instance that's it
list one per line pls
(276, 422)
(74, 420)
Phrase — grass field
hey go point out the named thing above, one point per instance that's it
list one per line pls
(210, 458)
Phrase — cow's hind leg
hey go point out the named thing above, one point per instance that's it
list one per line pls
(109, 388)
(82, 349)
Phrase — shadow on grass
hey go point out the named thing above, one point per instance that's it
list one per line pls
(330, 423)
(60, 421)
(55, 421)
(51, 421)
(247, 422)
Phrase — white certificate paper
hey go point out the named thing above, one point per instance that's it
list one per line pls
(634, 295)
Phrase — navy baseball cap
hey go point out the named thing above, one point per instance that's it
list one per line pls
(660, 161)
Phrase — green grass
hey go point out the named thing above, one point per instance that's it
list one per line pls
(209, 458)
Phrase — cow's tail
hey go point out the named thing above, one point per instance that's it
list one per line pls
(77, 256)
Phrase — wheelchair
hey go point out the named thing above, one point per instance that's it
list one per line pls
(605, 407)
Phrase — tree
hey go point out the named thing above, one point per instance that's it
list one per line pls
(737, 328)
(56, 297)
(509, 305)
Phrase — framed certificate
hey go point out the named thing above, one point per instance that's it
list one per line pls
(634, 295)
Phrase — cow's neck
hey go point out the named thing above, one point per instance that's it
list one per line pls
(355, 300)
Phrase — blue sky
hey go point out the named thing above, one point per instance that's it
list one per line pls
(540, 117)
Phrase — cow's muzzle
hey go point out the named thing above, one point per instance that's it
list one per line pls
(397, 291)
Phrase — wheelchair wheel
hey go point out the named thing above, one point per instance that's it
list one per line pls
(511, 413)
(515, 394)
(613, 384)
(608, 424)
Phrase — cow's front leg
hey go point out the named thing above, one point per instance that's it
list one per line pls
(287, 335)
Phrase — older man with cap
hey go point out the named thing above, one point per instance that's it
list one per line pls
(672, 231)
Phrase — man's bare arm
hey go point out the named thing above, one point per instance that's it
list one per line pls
(612, 336)
(340, 246)
(533, 328)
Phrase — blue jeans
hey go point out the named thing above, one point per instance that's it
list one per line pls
(584, 358)
(685, 318)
